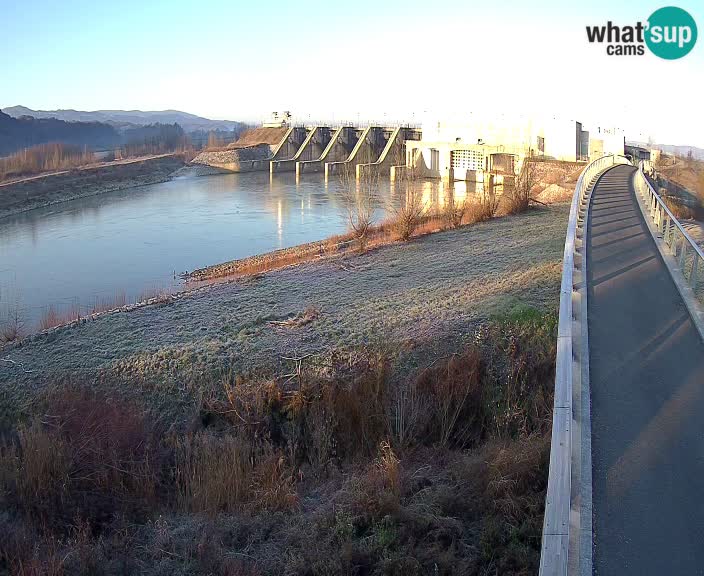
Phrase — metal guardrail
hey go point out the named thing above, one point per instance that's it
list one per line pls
(686, 251)
(560, 526)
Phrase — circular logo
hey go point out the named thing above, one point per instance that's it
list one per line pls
(670, 33)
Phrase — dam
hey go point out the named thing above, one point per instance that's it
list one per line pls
(330, 150)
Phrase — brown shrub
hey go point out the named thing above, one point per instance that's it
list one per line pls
(679, 210)
(11, 327)
(515, 482)
(318, 414)
(389, 468)
(517, 199)
(443, 474)
(481, 210)
(406, 217)
(213, 474)
(88, 456)
(453, 212)
(51, 318)
(44, 158)
(513, 470)
(274, 483)
(453, 400)
(35, 471)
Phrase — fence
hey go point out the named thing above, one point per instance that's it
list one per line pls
(683, 248)
(561, 523)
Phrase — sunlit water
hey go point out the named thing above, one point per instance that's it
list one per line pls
(124, 246)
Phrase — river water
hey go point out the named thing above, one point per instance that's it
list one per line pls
(121, 247)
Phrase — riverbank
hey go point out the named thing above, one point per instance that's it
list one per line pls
(393, 404)
(424, 295)
(45, 190)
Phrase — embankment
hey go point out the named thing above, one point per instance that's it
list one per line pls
(90, 181)
(426, 293)
(233, 160)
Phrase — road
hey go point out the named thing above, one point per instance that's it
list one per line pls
(647, 384)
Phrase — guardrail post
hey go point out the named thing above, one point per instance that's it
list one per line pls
(693, 272)
(666, 233)
(683, 253)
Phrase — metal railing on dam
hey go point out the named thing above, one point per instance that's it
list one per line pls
(564, 520)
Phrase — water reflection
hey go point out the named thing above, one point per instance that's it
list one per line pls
(83, 254)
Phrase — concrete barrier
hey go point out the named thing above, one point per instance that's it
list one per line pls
(392, 154)
(339, 147)
(312, 147)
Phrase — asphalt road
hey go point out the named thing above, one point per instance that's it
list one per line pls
(647, 385)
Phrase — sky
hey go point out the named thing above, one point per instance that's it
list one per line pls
(366, 60)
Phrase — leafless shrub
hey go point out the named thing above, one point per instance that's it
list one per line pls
(453, 393)
(482, 209)
(360, 199)
(518, 198)
(362, 462)
(87, 457)
(213, 474)
(51, 317)
(11, 327)
(680, 210)
(407, 216)
(389, 466)
(453, 212)
(274, 483)
(44, 158)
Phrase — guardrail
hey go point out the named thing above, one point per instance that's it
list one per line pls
(560, 527)
(686, 251)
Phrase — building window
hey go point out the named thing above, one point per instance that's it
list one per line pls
(467, 160)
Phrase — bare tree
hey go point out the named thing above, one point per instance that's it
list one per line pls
(12, 326)
(360, 197)
(408, 212)
(519, 197)
(453, 212)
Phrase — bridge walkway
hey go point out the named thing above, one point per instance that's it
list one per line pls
(646, 363)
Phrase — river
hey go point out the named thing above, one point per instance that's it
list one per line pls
(120, 247)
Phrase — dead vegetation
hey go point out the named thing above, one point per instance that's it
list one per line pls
(305, 317)
(44, 158)
(342, 469)
(360, 198)
(679, 210)
(519, 196)
(87, 181)
(684, 171)
(12, 326)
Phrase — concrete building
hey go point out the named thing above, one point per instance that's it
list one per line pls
(606, 141)
(637, 153)
(278, 120)
(465, 148)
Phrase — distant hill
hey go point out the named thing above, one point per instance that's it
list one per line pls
(24, 132)
(697, 153)
(122, 118)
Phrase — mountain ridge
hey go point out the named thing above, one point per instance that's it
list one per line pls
(189, 122)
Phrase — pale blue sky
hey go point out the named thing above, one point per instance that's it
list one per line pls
(396, 58)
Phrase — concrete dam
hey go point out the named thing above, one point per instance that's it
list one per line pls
(315, 149)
